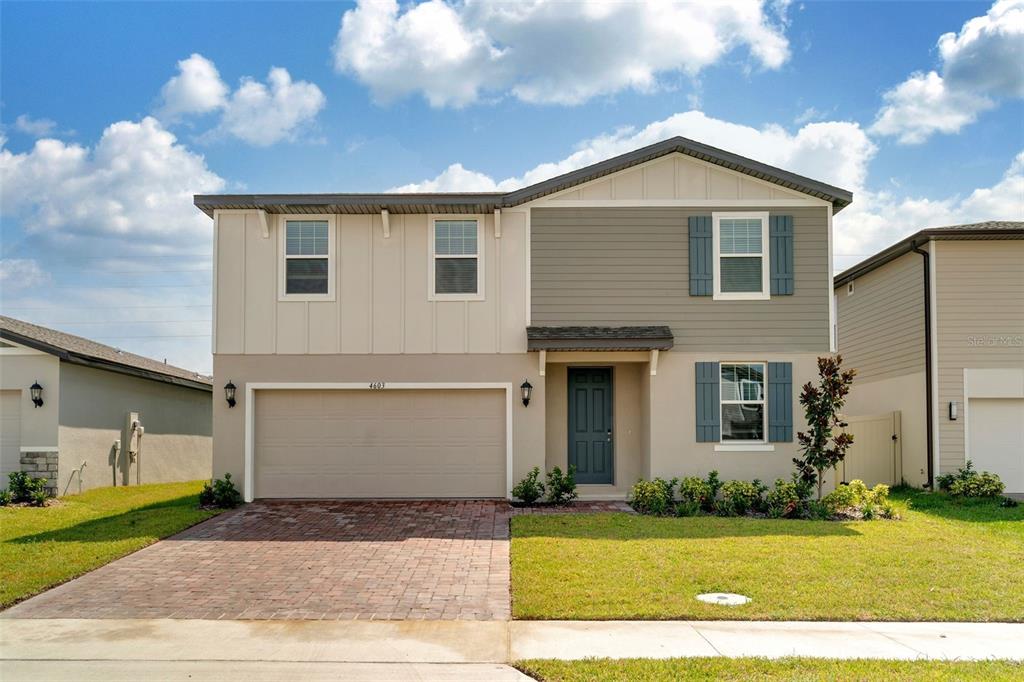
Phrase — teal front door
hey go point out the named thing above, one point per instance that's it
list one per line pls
(591, 443)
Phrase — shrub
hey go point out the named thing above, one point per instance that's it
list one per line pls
(530, 489)
(784, 500)
(967, 482)
(653, 497)
(221, 493)
(740, 497)
(855, 499)
(5, 498)
(25, 488)
(715, 485)
(561, 487)
(690, 508)
(694, 490)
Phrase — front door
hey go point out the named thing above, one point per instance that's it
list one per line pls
(591, 442)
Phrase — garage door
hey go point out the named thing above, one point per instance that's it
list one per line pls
(388, 443)
(996, 432)
(10, 434)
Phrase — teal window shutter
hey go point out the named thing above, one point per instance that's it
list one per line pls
(701, 256)
(780, 238)
(780, 402)
(709, 424)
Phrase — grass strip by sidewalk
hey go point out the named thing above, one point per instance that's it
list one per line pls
(945, 561)
(762, 669)
(43, 547)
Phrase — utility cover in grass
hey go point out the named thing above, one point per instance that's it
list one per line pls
(723, 598)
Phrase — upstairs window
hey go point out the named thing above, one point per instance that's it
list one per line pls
(742, 402)
(308, 252)
(456, 267)
(741, 256)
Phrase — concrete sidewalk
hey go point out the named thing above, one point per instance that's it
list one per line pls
(172, 649)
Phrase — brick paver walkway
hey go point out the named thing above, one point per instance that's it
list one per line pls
(443, 559)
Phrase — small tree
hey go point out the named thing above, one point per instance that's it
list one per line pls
(823, 448)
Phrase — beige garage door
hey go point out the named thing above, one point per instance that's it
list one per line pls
(10, 434)
(388, 443)
(996, 433)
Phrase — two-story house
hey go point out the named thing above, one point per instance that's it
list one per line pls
(934, 325)
(649, 315)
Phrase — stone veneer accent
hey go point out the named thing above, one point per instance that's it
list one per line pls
(42, 464)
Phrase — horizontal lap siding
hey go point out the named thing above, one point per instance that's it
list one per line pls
(630, 266)
(979, 293)
(881, 325)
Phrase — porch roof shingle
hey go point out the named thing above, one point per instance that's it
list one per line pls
(597, 338)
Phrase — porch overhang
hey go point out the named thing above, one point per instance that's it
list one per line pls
(647, 338)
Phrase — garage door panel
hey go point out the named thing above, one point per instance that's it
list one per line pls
(396, 443)
(996, 438)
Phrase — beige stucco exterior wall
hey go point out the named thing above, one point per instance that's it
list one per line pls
(627, 408)
(19, 369)
(980, 323)
(528, 424)
(381, 304)
(177, 445)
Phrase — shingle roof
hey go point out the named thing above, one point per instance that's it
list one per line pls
(79, 350)
(485, 202)
(990, 229)
(654, 337)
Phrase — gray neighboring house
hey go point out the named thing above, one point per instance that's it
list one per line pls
(935, 327)
(82, 429)
(649, 315)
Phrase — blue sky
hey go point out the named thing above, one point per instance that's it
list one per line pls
(113, 114)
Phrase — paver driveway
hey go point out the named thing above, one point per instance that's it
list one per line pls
(308, 560)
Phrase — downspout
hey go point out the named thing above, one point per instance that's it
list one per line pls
(929, 407)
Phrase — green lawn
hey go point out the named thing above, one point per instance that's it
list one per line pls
(943, 561)
(790, 669)
(43, 547)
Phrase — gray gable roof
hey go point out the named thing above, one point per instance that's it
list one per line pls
(485, 202)
(78, 350)
(990, 229)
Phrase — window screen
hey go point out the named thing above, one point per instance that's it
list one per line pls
(306, 257)
(456, 257)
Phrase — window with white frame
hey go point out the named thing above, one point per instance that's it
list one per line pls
(741, 255)
(307, 255)
(456, 262)
(742, 402)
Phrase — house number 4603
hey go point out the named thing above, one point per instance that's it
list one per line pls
(376, 385)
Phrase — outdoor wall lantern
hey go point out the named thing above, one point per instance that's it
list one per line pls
(527, 391)
(952, 410)
(229, 393)
(37, 394)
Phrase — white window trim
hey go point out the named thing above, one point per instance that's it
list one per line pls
(282, 257)
(765, 292)
(432, 258)
(737, 445)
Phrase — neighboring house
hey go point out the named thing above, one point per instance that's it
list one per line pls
(662, 305)
(80, 435)
(935, 327)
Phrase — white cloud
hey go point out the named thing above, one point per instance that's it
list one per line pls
(133, 188)
(262, 115)
(546, 51)
(36, 127)
(877, 219)
(257, 113)
(21, 273)
(979, 65)
(197, 89)
(835, 151)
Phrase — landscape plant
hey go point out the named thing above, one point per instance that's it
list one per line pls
(856, 500)
(740, 498)
(695, 492)
(561, 487)
(220, 494)
(968, 482)
(24, 489)
(825, 443)
(655, 497)
(786, 499)
(530, 489)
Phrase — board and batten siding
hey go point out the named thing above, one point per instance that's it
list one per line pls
(381, 304)
(881, 324)
(629, 266)
(980, 301)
